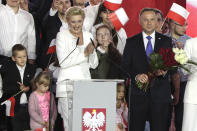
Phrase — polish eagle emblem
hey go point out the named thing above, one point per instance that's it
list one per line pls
(93, 121)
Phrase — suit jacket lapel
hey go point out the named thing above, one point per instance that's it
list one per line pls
(142, 48)
(141, 43)
(18, 74)
(157, 41)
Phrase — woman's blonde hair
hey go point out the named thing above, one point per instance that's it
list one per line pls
(74, 11)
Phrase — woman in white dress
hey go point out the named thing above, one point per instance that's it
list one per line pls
(76, 55)
(190, 97)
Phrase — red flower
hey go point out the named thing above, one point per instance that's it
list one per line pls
(168, 57)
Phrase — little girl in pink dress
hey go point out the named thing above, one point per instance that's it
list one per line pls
(39, 103)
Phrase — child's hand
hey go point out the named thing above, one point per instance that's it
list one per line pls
(23, 87)
(119, 127)
(118, 104)
(47, 124)
(89, 49)
(44, 123)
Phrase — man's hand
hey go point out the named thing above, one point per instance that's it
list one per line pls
(160, 72)
(55, 4)
(24, 5)
(179, 45)
(31, 61)
(176, 96)
(176, 85)
(143, 78)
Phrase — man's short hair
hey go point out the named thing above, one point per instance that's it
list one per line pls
(146, 10)
(17, 47)
(157, 11)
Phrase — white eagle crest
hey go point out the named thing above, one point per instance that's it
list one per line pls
(93, 123)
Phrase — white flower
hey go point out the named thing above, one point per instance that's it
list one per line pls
(180, 56)
(175, 50)
(183, 61)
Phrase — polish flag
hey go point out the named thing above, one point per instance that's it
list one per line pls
(178, 14)
(112, 4)
(52, 47)
(10, 103)
(119, 18)
(40, 129)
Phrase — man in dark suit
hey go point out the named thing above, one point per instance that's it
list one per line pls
(50, 29)
(152, 105)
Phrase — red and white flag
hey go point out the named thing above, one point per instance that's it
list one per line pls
(40, 129)
(52, 47)
(10, 104)
(112, 4)
(119, 18)
(178, 14)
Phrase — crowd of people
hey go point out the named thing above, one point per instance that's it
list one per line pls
(88, 46)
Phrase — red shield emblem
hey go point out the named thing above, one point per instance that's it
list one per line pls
(94, 119)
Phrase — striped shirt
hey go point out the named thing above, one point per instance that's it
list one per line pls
(16, 28)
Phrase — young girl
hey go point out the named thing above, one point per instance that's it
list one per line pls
(39, 103)
(121, 109)
(109, 57)
(119, 37)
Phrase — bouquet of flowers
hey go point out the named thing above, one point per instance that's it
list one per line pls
(166, 59)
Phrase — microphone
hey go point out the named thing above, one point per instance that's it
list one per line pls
(70, 52)
(92, 43)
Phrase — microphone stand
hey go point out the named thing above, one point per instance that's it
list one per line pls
(50, 106)
(51, 91)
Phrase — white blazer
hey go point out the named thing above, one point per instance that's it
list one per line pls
(191, 87)
(76, 66)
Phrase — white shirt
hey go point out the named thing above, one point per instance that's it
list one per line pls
(146, 40)
(52, 12)
(23, 98)
(16, 29)
(76, 66)
(21, 71)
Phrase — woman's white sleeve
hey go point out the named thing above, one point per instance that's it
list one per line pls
(64, 49)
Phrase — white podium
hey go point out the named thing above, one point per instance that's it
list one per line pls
(94, 105)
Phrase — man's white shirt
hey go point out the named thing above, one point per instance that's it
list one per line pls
(146, 40)
(16, 28)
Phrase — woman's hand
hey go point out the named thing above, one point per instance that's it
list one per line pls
(89, 49)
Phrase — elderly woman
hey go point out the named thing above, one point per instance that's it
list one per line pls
(76, 55)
